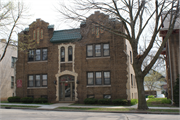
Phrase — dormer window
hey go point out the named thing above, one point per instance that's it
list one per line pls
(70, 53)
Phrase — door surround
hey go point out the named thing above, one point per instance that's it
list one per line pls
(66, 72)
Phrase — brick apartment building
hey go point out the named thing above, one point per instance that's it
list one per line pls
(74, 64)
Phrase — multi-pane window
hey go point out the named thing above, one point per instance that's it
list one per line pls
(44, 80)
(90, 78)
(70, 53)
(37, 80)
(107, 78)
(12, 81)
(105, 49)
(62, 54)
(31, 81)
(13, 61)
(38, 55)
(98, 78)
(98, 50)
(101, 78)
(89, 50)
(107, 96)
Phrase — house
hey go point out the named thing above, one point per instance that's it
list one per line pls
(7, 70)
(172, 52)
(75, 64)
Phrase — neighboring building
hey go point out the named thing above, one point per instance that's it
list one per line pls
(7, 66)
(172, 53)
(74, 64)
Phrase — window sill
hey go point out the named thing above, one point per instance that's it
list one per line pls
(37, 61)
(98, 86)
(67, 62)
(36, 87)
(97, 57)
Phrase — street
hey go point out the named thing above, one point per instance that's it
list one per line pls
(20, 114)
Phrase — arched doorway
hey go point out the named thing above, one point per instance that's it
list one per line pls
(66, 88)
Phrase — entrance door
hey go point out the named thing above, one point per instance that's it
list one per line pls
(66, 88)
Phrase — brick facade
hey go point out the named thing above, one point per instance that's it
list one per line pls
(115, 63)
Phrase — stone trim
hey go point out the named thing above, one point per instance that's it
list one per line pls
(36, 87)
(98, 86)
(97, 57)
(37, 61)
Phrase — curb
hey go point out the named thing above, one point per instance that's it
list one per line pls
(135, 112)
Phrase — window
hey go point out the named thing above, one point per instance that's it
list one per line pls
(44, 80)
(62, 54)
(37, 80)
(13, 61)
(90, 50)
(34, 35)
(31, 83)
(41, 33)
(107, 78)
(130, 57)
(90, 78)
(97, 50)
(107, 96)
(44, 54)
(101, 78)
(12, 81)
(38, 55)
(38, 35)
(70, 53)
(101, 50)
(132, 79)
(98, 78)
(106, 49)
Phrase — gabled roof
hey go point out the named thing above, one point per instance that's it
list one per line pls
(61, 36)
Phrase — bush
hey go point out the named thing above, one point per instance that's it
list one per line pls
(166, 101)
(27, 100)
(14, 99)
(120, 101)
(104, 101)
(134, 101)
(90, 101)
(40, 100)
(151, 96)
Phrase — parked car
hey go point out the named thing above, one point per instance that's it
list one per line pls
(160, 96)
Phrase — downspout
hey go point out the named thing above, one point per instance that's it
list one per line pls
(170, 72)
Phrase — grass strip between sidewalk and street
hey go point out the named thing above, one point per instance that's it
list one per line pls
(19, 106)
(117, 109)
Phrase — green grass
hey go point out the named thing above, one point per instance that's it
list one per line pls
(27, 103)
(157, 102)
(77, 104)
(117, 109)
(19, 106)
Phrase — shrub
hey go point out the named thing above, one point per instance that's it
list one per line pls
(134, 101)
(151, 96)
(40, 100)
(14, 99)
(27, 100)
(90, 101)
(104, 101)
(120, 101)
(166, 101)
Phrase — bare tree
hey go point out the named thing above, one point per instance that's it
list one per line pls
(10, 15)
(135, 16)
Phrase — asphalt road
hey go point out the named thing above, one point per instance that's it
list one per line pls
(20, 114)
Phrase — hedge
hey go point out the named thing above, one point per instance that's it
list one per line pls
(14, 99)
(134, 101)
(27, 100)
(90, 101)
(166, 101)
(120, 102)
(151, 96)
(104, 101)
(40, 100)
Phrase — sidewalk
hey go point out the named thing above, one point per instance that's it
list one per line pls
(56, 105)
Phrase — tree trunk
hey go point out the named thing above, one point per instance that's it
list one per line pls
(141, 94)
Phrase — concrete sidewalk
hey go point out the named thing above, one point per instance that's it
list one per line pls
(56, 105)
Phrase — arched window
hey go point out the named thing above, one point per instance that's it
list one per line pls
(70, 51)
(62, 54)
(34, 35)
(41, 33)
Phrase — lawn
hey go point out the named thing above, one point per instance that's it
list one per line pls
(27, 103)
(19, 106)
